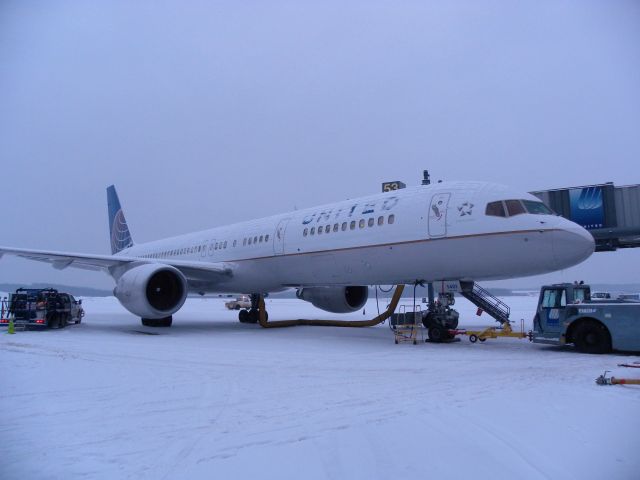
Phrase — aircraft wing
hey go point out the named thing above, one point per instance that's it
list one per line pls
(192, 270)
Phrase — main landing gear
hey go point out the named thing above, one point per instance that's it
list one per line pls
(252, 315)
(157, 322)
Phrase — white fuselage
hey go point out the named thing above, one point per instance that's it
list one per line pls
(435, 232)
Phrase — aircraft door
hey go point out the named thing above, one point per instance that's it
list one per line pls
(278, 237)
(438, 214)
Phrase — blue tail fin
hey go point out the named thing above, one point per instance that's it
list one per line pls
(118, 229)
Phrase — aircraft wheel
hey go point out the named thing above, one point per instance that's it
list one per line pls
(157, 322)
(437, 334)
(243, 316)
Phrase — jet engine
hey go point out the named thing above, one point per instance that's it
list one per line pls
(335, 299)
(152, 291)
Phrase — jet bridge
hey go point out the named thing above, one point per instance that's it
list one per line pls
(611, 214)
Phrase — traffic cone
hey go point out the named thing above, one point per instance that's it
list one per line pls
(12, 328)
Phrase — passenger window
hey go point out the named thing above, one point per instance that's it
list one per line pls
(234, 243)
(380, 220)
(266, 238)
(305, 232)
(327, 229)
(361, 223)
(335, 227)
(255, 239)
(244, 242)
(536, 208)
(514, 207)
(352, 226)
(261, 238)
(371, 222)
(320, 230)
(495, 209)
(225, 244)
(249, 242)
(344, 226)
(392, 219)
(313, 230)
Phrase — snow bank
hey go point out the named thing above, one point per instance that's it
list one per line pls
(213, 398)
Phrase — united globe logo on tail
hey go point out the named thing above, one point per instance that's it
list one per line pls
(118, 229)
(120, 236)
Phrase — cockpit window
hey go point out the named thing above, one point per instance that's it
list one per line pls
(495, 209)
(537, 208)
(514, 207)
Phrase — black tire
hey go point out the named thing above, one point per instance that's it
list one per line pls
(437, 334)
(473, 338)
(157, 322)
(237, 307)
(592, 337)
(54, 321)
(243, 316)
(253, 316)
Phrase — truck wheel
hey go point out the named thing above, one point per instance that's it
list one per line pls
(54, 321)
(237, 307)
(592, 337)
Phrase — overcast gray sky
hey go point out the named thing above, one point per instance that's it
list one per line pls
(207, 113)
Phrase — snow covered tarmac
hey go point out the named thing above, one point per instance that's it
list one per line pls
(213, 398)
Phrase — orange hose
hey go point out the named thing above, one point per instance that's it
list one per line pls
(332, 323)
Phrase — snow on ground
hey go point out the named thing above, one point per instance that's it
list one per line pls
(213, 398)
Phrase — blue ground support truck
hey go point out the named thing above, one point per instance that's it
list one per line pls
(567, 314)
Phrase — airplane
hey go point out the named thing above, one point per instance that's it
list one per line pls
(465, 231)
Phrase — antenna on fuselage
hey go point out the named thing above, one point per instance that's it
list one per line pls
(426, 179)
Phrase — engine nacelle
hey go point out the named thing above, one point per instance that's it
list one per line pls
(152, 291)
(335, 299)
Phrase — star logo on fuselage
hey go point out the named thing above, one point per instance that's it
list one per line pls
(465, 209)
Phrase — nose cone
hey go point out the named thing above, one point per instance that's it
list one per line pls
(572, 244)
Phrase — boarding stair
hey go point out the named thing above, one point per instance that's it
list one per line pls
(485, 301)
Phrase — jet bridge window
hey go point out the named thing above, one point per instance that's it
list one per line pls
(536, 208)
(515, 207)
(495, 209)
